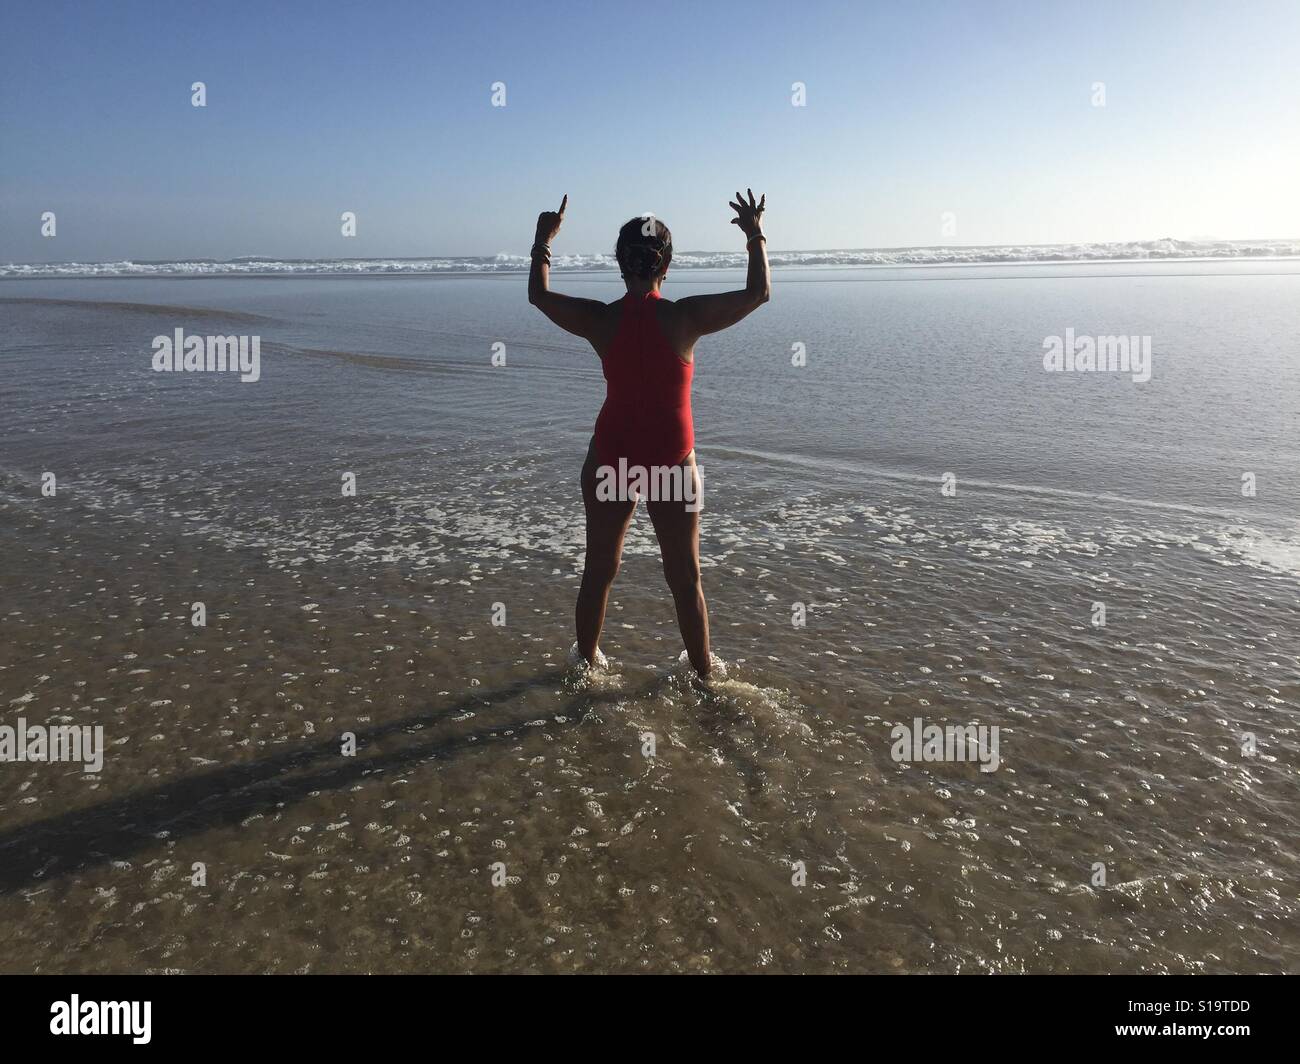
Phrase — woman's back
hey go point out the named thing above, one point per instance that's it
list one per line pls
(646, 417)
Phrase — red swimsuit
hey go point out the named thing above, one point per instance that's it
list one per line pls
(646, 418)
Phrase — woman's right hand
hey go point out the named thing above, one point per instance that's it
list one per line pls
(749, 215)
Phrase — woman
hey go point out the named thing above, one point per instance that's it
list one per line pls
(646, 346)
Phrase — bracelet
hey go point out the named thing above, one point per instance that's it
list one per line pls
(544, 250)
(756, 236)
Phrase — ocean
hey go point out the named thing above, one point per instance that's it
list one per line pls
(908, 521)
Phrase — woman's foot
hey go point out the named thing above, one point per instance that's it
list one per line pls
(597, 660)
(716, 671)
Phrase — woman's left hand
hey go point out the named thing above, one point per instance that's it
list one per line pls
(548, 222)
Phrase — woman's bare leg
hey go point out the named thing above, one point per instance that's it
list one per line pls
(607, 523)
(678, 532)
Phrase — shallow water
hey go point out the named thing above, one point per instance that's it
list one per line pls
(1120, 745)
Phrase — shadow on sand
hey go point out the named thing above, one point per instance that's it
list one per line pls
(87, 837)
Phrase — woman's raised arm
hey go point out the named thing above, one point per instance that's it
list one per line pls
(701, 315)
(582, 317)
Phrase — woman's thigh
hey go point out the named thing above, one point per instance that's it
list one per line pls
(677, 527)
(607, 520)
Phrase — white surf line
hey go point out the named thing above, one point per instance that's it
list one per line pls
(840, 466)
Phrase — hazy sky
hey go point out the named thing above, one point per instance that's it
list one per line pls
(984, 110)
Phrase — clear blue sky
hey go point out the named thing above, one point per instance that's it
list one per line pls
(913, 109)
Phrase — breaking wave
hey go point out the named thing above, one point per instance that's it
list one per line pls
(254, 266)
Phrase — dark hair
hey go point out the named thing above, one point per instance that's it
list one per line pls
(644, 248)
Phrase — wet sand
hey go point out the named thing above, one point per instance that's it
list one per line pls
(770, 829)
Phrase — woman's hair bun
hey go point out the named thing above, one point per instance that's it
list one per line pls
(644, 248)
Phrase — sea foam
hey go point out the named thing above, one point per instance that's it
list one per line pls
(942, 255)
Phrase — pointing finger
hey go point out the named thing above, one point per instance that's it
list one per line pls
(564, 204)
